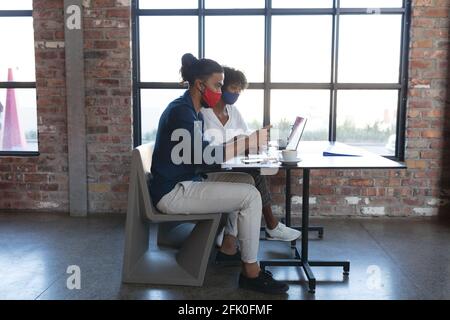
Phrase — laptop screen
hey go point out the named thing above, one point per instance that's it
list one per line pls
(296, 133)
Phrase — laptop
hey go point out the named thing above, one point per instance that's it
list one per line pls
(296, 133)
(293, 141)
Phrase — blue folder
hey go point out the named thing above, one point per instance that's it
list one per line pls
(341, 151)
(334, 154)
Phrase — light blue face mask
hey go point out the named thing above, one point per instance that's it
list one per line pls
(230, 97)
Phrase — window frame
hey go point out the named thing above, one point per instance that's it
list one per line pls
(18, 84)
(333, 86)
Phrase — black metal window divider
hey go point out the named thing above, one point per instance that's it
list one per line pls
(268, 12)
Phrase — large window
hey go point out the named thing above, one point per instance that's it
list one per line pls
(18, 118)
(341, 63)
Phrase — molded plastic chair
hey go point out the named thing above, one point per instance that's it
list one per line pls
(183, 251)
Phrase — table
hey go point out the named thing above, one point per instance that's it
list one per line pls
(311, 153)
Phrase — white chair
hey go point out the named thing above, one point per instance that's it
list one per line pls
(183, 251)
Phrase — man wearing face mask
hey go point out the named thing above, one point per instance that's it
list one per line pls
(223, 123)
(179, 187)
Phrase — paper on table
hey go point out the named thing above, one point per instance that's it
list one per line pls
(254, 158)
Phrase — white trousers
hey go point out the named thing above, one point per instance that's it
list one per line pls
(222, 192)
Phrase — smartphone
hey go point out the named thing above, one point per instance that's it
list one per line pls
(252, 160)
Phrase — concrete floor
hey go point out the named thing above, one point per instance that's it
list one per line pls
(390, 259)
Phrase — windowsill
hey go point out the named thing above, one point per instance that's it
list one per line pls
(19, 153)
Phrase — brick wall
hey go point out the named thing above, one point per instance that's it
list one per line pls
(427, 107)
(108, 102)
(418, 191)
(40, 183)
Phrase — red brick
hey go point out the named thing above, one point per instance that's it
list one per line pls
(418, 124)
(37, 177)
(420, 64)
(105, 44)
(431, 133)
(422, 3)
(103, 3)
(416, 164)
(434, 113)
(47, 4)
(118, 13)
(425, 43)
(423, 22)
(436, 12)
(49, 187)
(419, 104)
(430, 154)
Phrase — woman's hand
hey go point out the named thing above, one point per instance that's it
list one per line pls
(258, 139)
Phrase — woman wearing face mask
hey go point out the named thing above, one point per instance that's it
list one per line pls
(225, 122)
(178, 187)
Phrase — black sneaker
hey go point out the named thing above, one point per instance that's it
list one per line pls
(263, 283)
(227, 259)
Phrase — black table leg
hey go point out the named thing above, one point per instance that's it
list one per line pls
(305, 237)
(344, 264)
(305, 214)
(288, 201)
(288, 204)
(302, 260)
(318, 229)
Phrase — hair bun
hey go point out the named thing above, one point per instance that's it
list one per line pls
(188, 60)
(193, 68)
(187, 65)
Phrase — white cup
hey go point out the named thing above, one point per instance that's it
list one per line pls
(289, 155)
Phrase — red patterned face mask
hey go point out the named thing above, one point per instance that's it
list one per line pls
(210, 98)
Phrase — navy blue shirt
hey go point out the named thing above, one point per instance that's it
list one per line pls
(179, 114)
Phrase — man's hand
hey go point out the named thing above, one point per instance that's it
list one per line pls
(243, 145)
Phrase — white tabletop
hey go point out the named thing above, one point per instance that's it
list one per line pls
(311, 155)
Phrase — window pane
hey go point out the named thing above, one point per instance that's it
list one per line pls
(17, 51)
(371, 3)
(307, 56)
(302, 3)
(314, 104)
(367, 118)
(16, 5)
(18, 120)
(153, 103)
(369, 48)
(168, 4)
(163, 41)
(251, 106)
(234, 4)
(231, 44)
